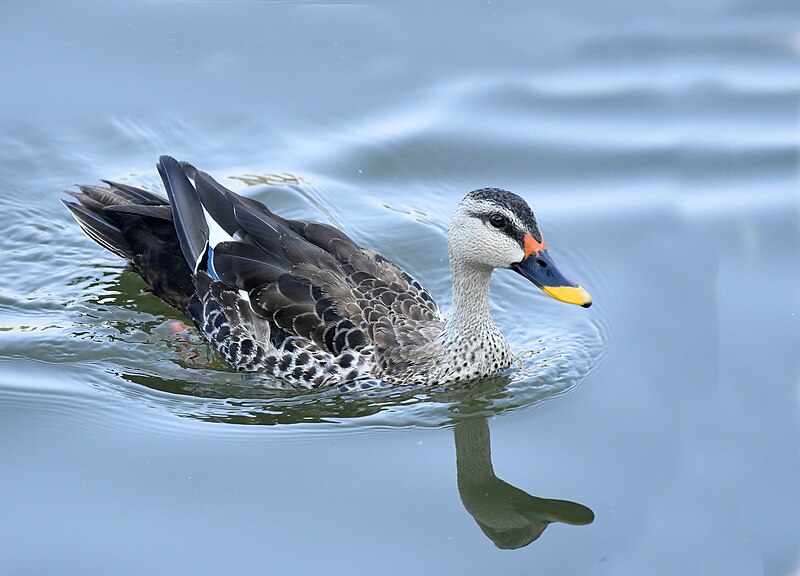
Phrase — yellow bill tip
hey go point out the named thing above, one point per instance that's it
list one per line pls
(569, 294)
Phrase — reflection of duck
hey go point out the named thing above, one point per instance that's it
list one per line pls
(301, 301)
(510, 517)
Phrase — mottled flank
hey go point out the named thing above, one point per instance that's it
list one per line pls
(299, 301)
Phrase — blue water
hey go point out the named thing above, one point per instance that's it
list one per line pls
(658, 146)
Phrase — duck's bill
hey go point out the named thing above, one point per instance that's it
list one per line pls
(540, 269)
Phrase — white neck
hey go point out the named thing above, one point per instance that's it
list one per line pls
(470, 315)
(470, 346)
(472, 342)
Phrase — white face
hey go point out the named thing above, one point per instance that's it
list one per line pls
(473, 240)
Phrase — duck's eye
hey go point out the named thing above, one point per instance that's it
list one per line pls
(497, 220)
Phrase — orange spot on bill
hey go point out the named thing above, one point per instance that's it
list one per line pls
(532, 246)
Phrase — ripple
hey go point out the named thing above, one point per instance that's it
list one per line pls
(554, 368)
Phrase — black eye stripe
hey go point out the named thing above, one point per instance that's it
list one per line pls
(511, 203)
(510, 229)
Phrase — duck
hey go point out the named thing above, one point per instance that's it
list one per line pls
(303, 304)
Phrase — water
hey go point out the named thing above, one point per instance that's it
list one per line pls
(657, 430)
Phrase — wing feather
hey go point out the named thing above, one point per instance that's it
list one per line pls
(187, 211)
(302, 279)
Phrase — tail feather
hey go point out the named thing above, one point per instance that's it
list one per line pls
(161, 212)
(136, 225)
(98, 228)
(86, 201)
(136, 195)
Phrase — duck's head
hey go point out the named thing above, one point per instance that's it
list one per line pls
(497, 229)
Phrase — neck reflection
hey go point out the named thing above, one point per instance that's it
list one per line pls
(510, 517)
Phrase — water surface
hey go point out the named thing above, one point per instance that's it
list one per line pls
(655, 432)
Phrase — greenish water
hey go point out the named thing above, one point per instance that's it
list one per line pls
(654, 433)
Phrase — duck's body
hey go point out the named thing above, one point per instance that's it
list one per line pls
(300, 301)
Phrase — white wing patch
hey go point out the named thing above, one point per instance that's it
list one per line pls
(216, 233)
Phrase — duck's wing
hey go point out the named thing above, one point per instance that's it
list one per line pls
(249, 278)
(397, 315)
(307, 278)
(393, 311)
